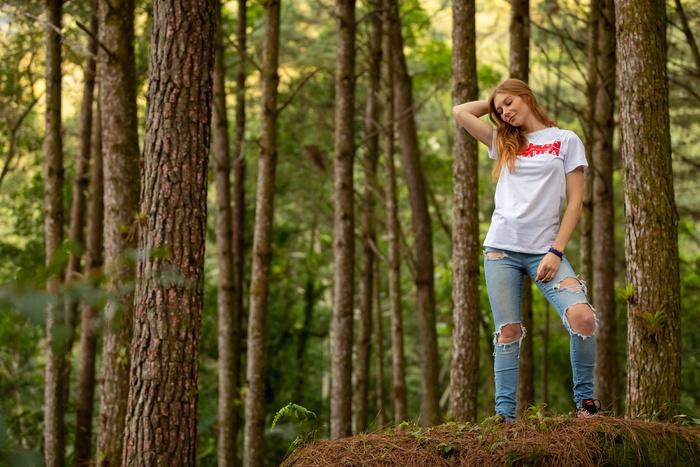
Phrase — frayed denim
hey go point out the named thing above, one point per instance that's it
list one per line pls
(504, 279)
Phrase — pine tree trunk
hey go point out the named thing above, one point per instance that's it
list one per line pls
(161, 424)
(398, 363)
(585, 224)
(651, 237)
(54, 436)
(369, 236)
(520, 39)
(88, 329)
(379, 348)
(227, 330)
(81, 181)
(465, 225)
(520, 69)
(121, 203)
(254, 441)
(238, 218)
(343, 225)
(422, 228)
(606, 367)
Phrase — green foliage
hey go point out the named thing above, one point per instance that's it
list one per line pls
(295, 410)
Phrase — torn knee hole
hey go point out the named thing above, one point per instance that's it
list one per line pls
(580, 319)
(510, 333)
(571, 284)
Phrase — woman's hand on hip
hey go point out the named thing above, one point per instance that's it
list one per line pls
(548, 267)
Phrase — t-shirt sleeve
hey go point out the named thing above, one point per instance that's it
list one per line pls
(493, 153)
(574, 152)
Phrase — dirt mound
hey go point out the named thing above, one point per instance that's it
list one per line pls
(550, 441)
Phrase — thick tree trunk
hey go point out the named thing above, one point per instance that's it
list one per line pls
(606, 367)
(54, 436)
(422, 228)
(398, 364)
(121, 203)
(369, 236)
(228, 320)
(254, 441)
(88, 330)
(520, 39)
(651, 237)
(464, 386)
(343, 225)
(161, 424)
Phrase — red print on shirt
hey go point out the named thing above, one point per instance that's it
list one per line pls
(533, 150)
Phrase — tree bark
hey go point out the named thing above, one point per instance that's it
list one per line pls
(228, 332)
(369, 236)
(398, 365)
(422, 228)
(464, 376)
(121, 203)
(54, 436)
(238, 210)
(161, 424)
(586, 221)
(520, 69)
(343, 225)
(379, 348)
(520, 39)
(254, 441)
(88, 331)
(606, 369)
(651, 237)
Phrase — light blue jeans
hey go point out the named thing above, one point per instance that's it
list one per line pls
(504, 280)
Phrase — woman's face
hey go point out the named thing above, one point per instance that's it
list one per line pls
(512, 108)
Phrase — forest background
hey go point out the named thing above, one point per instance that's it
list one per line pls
(300, 302)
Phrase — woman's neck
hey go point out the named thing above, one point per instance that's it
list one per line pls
(533, 125)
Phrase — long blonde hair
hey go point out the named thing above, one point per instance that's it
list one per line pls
(512, 140)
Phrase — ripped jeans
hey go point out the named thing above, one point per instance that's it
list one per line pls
(504, 278)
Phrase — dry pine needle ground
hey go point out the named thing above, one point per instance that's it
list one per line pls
(550, 441)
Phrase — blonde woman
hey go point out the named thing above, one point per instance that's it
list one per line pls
(538, 166)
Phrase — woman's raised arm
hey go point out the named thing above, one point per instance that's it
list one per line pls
(468, 114)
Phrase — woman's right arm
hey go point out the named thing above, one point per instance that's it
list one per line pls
(468, 114)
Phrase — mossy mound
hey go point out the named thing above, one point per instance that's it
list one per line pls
(550, 441)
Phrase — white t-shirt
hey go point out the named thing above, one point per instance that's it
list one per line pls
(529, 201)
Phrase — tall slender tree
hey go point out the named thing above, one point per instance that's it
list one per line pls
(343, 225)
(161, 424)
(603, 234)
(117, 77)
(88, 328)
(464, 380)
(398, 365)
(82, 186)
(238, 212)
(54, 436)
(228, 320)
(254, 441)
(520, 68)
(651, 237)
(369, 236)
(422, 227)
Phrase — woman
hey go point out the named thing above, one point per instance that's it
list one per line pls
(538, 165)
